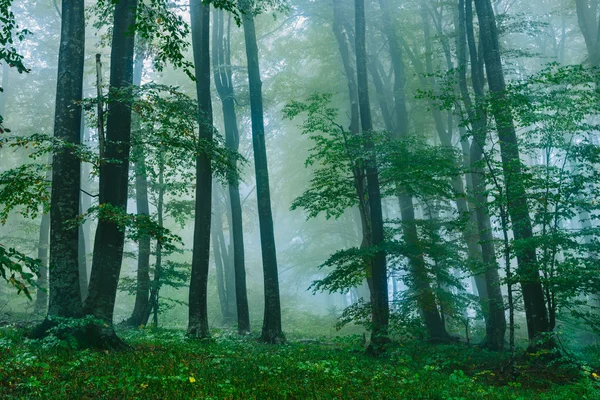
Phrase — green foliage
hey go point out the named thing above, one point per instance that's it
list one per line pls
(157, 24)
(559, 106)
(167, 365)
(349, 270)
(18, 269)
(137, 225)
(10, 34)
(23, 188)
(423, 171)
(334, 156)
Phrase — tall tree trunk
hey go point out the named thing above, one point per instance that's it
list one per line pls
(221, 259)
(82, 258)
(533, 295)
(5, 73)
(227, 254)
(422, 286)
(41, 297)
(589, 23)
(378, 273)
(224, 83)
(495, 319)
(142, 293)
(65, 294)
(114, 175)
(271, 330)
(198, 307)
(342, 31)
(156, 282)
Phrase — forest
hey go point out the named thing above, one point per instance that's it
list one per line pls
(294, 199)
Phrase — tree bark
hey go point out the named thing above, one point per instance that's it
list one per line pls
(224, 83)
(271, 330)
(494, 303)
(422, 286)
(64, 290)
(198, 307)
(533, 295)
(142, 294)
(221, 261)
(378, 274)
(109, 240)
(41, 297)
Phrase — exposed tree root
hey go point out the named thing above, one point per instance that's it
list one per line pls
(86, 334)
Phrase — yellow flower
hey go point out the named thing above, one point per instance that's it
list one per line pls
(192, 379)
(595, 375)
(144, 385)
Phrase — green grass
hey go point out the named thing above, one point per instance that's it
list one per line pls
(166, 365)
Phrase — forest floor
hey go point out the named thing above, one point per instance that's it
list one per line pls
(164, 364)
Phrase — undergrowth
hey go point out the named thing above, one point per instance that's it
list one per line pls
(165, 364)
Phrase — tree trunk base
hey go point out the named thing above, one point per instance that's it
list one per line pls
(90, 335)
(198, 332)
(272, 337)
(377, 345)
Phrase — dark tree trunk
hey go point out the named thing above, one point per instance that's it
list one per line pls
(589, 23)
(142, 294)
(109, 240)
(220, 253)
(494, 303)
(82, 258)
(224, 83)
(156, 282)
(198, 307)
(533, 295)
(227, 254)
(378, 273)
(5, 73)
(422, 286)
(41, 297)
(65, 294)
(271, 330)
(342, 31)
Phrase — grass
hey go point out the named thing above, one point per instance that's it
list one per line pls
(166, 365)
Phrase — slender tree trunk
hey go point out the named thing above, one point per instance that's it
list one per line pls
(82, 258)
(422, 286)
(341, 29)
(142, 294)
(5, 73)
(198, 307)
(228, 261)
(220, 259)
(271, 331)
(65, 294)
(495, 319)
(589, 23)
(109, 241)
(41, 297)
(533, 295)
(224, 83)
(156, 283)
(378, 273)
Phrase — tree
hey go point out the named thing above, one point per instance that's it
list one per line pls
(65, 295)
(142, 296)
(587, 11)
(198, 309)
(421, 282)
(224, 83)
(114, 174)
(271, 331)
(495, 320)
(518, 209)
(377, 277)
